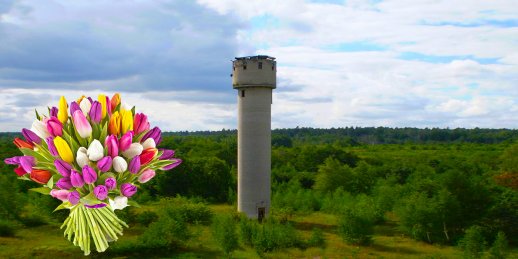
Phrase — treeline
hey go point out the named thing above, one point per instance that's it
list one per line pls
(376, 135)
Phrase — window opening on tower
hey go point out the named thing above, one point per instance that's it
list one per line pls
(242, 93)
(260, 65)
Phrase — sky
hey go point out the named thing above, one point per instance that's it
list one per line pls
(401, 63)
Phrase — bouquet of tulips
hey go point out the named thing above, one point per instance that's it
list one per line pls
(93, 161)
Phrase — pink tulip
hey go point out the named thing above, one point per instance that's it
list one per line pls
(140, 123)
(83, 127)
(60, 194)
(125, 141)
(54, 127)
(112, 146)
(147, 175)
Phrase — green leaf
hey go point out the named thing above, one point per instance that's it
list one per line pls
(104, 132)
(37, 114)
(62, 206)
(133, 111)
(90, 199)
(50, 183)
(42, 190)
(133, 203)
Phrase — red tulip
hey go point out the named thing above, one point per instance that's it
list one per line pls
(19, 171)
(40, 176)
(148, 155)
(20, 143)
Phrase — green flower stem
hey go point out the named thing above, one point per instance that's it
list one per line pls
(101, 239)
(105, 225)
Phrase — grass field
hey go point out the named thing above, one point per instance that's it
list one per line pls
(48, 242)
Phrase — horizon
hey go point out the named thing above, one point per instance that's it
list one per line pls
(340, 63)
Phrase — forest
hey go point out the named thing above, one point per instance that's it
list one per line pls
(336, 193)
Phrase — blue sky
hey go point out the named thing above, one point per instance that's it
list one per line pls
(340, 63)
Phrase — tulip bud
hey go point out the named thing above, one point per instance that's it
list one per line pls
(63, 110)
(126, 121)
(74, 107)
(114, 126)
(85, 106)
(73, 197)
(27, 162)
(40, 129)
(108, 106)
(76, 179)
(101, 192)
(134, 165)
(167, 154)
(95, 112)
(20, 143)
(40, 176)
(125, 141)
(52, 148)
(30, 136)
(128, 189)
(155, 134)
(63, 167)
(116, 100)
(119, 164)
(53, 112)
(111, 145)
(140, 123)
(64, 150)
(60, 194)
(147, 175)
(102, 101)
(82, 157)
(148, 155)
(104, 164)
(89, 175)
(119, 203)
(110, 183)
(175, 163)
(64, 183)
(95, 150)
(135, 149)
(54, 127)
(149, 143)
(82, 125)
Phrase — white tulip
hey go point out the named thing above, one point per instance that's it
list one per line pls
(40, 129)
(126, 106)
(119, 164)
(119, 203)
(135, 149)
(95, 150)
(85, 106)
(149, 143)
(82, 157)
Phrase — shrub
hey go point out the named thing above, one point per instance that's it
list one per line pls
(272, 235)
(165, 233)
(6, 229)
(147, 217)
(473, 242)
(187, 211)
(317, 238)
(33, 220)
(499, 248)
(224, 232)
(355, 229)
(247, 229)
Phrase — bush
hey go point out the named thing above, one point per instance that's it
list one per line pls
(317, 238)
(224, 232)
(269, 235)
(355, 229)
(473, 242)
(147, 217)
(247, 229)
(499, 248)
(187, 211)
(6, 229)
(165, 233)
(33, 220)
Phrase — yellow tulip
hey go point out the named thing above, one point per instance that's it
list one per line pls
(126, 121)
(63, 110)
(102, 100)
(63, 149)
(114, 127)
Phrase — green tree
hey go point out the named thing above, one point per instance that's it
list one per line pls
(224, 232)
(333, 174)
(499, 248)
(473, 243)
(355, 229)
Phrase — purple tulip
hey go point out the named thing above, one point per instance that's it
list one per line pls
(54, 127)
(104, 164)
(90, 99)
(31, 136)
(112, 146)
(63, 167)
(52, 148)
(73, 197)
(96, 206)
(89, 175)
(134, 165)
(101, 192)
(155, 134)
(110, 183)
(74, 107)
(175, 163)
(64, 183)
(128, 189)
(95, 112)
(15, 160)
(27, 162)
(76, 179)
(125, 141)
(53, 112)
(168, 154)
(147, 175)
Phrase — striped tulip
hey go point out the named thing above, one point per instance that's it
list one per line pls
(116, 100)
(64, 150)
(148, 155)
(82, 125)
(63, 110)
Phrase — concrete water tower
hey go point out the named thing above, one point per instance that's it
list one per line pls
(254, 78)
